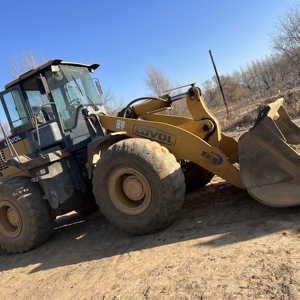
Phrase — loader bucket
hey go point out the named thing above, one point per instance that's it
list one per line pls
(269, 158)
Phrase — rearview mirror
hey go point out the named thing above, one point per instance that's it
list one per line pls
(98, 85)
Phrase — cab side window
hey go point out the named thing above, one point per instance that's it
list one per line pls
(16, 110)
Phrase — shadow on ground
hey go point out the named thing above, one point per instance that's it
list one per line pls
(217, 215)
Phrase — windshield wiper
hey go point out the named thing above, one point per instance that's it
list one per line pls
(83, 95)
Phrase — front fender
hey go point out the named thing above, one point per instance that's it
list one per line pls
(99, 145)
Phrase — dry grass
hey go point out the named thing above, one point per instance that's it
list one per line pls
(245, 114)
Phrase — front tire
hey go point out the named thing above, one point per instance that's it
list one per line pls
(139, 186)
(25, 218)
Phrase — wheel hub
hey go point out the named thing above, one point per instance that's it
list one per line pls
(10, 220)
(133, 188)
(13, 217)
(129, 190)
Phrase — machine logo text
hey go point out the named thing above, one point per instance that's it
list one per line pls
(213, 157)
(13, 140)
(155, 134)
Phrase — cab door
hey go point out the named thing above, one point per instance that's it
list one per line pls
(16, 110)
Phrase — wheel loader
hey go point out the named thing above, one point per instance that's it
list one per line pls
(63, 153)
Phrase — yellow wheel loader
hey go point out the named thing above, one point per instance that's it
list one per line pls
(64, 153)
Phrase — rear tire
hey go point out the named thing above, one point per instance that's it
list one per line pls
(25, 218)
(87, 204)
(195, 176)
(139, 186)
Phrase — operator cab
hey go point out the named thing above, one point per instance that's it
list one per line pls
(49, 105)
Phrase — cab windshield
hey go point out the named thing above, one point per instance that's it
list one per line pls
(72, 86)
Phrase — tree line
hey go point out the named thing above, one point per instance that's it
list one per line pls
(257, 80)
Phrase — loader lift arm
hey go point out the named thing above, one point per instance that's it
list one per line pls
(210, 149)
(272, 144)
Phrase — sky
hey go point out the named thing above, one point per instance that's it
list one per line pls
(126, 36)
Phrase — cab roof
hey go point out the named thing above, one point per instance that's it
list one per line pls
(53, 62)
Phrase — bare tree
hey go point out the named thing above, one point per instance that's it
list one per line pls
(17, 67)
(20, 65)
(211, 93)
(156, 81)
(269, 76)
(158, 84)
(111, 103)
(286, 38)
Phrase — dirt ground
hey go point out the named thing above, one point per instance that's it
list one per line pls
(223, 245)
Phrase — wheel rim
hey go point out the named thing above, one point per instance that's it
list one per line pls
(129, 190)
(10, 220)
